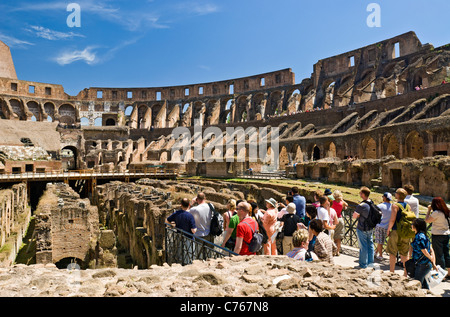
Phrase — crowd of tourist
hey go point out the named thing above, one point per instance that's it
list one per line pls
(313, 232)
(404, 233)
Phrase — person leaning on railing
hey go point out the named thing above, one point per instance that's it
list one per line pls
(182, 218)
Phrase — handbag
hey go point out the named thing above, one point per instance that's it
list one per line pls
(410, 266)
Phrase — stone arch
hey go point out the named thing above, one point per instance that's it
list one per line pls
(369, 148)
(71, 161)
(316, 153)
(331, 150)
(199, 113)
(269, 157)
(49, 109)
(297, 154)
(34, 108)
(4, 111)
(259, 105)
(275, 104)
(176, 156)
(67, 114)
(328, 89)
(164, 157)
(294, 101)
(18, 109)
(110, 122)
(65, 262)
(142, 114)
(284, 158)
(174, 117)
(414, 145)
(391, 146)
(157, 120)
(241, 109)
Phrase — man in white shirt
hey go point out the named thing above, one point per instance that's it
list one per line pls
(202, 215)
(412, 201)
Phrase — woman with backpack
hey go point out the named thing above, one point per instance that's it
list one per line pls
(439, 215)
(422, 253)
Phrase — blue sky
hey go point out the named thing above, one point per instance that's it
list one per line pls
(152, 43)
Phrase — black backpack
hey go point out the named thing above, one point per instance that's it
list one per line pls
(374, 217)
(216, 228)
(257, 240)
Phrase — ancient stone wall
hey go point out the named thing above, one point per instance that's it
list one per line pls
(136, 213)
(15, 216)
(429, 176)
(67, 228)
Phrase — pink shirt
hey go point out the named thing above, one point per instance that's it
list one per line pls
(270, 219)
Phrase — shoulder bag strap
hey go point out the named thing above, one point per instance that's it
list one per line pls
(253, 231)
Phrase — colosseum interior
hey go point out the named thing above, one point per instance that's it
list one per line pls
(95, 175)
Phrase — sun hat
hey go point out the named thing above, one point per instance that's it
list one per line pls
(272, 201)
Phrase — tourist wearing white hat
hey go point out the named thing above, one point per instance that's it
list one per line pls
(289, 223)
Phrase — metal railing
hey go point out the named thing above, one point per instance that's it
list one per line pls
(183, 248)
(89, 173)
(262, 175)
(350, 237)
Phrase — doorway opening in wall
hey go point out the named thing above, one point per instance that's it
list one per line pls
(316, 153)
(437, 153)
(323, 172)
(110, 122)
(69, 158)
(396, 178)
(66, 262)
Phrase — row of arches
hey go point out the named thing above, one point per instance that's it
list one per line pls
(412, 147)
(32, 110)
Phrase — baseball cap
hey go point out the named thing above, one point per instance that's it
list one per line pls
(388, 195)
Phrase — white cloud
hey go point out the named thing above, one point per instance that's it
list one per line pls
(198, 8)
(68, 57)
(132, 20)
(51, 34)
(204, 67)
(90, 56)
(98, 7)
(13, 42)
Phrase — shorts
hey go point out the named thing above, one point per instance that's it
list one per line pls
(339, 230)
(380, 235)
(395, 244)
